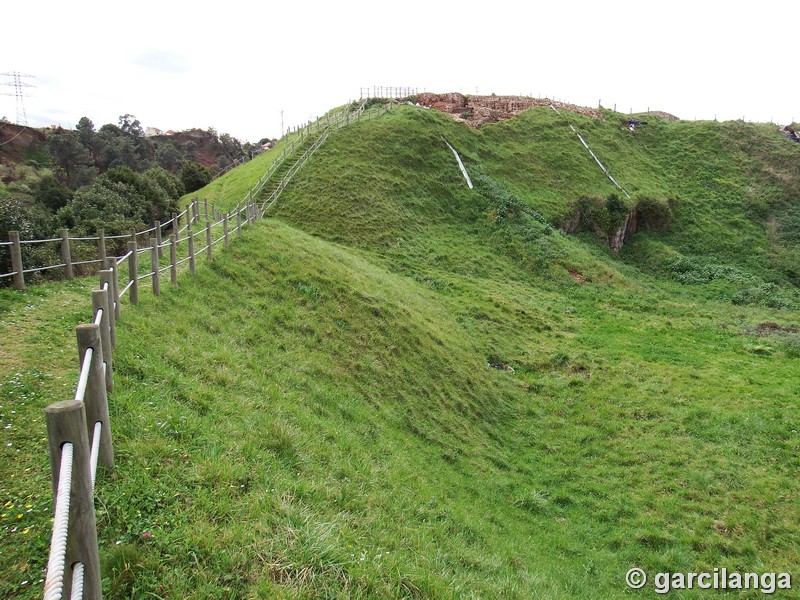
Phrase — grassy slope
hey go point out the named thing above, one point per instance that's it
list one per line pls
(337, 429)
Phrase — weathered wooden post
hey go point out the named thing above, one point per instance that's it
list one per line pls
(173, 259)
(66, 256)
(154, 266)
(208, 239)
(100, 303)
(101, 246)
(107, 278)
(191, 248)
(196, 210)
(133, 272)
(159, 239)
(16, 260)
(96, 398)
(66, 424)
(238, 222)
(205, 208)
(225, 229)
(111, 265)
(175, 222)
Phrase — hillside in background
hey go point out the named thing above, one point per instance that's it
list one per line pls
(396, 386)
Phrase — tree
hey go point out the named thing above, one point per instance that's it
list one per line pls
(194, 176)
(52, 193)
(120, 149)
(168, 156)
(170, 183)
(86, 132)
(72, 161)
(130, 125)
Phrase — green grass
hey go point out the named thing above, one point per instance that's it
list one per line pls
(396, 387)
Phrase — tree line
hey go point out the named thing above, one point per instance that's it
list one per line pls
(112, 178)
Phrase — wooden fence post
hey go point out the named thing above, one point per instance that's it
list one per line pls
(225, 229)
(238, 222)
(107, 276)
(154, 266)
(159, 239)
(100, 302)
(111, 265)
(66, 256)
(16, 260)
(101, 246)
(191, 249)
(173, 259)
(66, 422)
(208, 239)
(205, 209)
(133, 272)
(96, 398)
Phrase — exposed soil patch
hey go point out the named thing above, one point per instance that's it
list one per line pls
(479, 110)
(16, 140)
(577, 276)
(765, 329)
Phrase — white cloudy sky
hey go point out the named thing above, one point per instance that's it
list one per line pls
(236, 65)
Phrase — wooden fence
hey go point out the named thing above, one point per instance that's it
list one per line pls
(78, 430)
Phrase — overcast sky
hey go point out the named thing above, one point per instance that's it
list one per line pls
(236, 65)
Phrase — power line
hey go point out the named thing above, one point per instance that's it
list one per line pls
(18, 85)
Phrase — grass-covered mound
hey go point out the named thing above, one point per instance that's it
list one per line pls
(399, 387)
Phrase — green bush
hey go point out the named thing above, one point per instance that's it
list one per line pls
(691, 271)
(31, 222)
(766, 294)
(194, 176)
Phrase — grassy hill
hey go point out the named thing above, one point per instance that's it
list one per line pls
(398, 387)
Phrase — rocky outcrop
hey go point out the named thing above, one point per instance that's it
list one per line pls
(479, 110)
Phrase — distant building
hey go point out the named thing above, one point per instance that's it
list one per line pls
(151, 131)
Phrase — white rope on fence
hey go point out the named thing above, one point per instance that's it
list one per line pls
(123, 258)
(126, 288)
(44, 268)
(98, 431)
(87, 262)
(77, 582)
(54, 581)
(83, 381)
(41, 241)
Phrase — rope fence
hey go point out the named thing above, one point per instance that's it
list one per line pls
(72, 245)
(79, 430)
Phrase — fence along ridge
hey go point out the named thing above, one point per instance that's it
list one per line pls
(79, 430)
